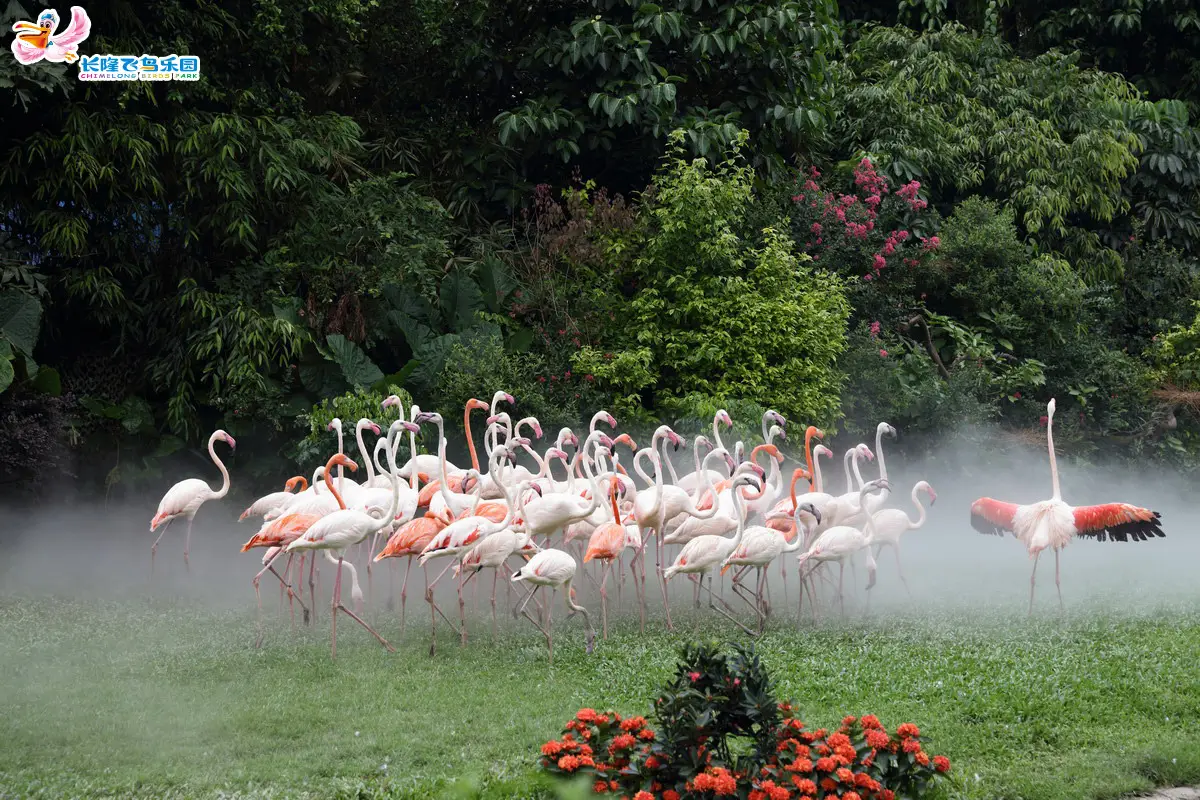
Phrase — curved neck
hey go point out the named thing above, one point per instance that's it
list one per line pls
(341, 451)
(212, 453)
(318, 477)
(706, 474)
(857, 474)
(879, 452)
(717, 432)
(916, 498)
(818, 485)
(808, 457)
(333, 488)
(1053, 459)
(667, 460)
(412, 451)
(766, 431)
(846, 466)
(362, 451)
(739, 507)
(390, 517)
(379, 448)
(637, 466)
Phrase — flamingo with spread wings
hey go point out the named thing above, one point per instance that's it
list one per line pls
(1053, 524)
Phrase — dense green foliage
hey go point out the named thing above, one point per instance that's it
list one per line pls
(602, 203)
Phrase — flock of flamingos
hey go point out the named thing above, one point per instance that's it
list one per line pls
(471, 519)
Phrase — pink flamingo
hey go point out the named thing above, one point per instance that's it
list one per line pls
(1053, 524)
(185, 498)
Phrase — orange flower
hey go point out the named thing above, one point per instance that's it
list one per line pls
(848, 721)
(878, 739)
(851, 796)
(632, 723)
(829, 784)
(887, 794)
(800, 765)
(643, 795)
(871, 721)
(652, 763)
(568, 763)
(911, 746)
(826, 765)
(600, 787)
(646, 735)
(941, 763)
(847, 754)
(908, 729)
(804, 785)
(670, 794)
(586, 715)
(923, 759)
(552, 748)
(838, 740)
(823, 749)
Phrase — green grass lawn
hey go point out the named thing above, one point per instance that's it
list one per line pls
(154, 699)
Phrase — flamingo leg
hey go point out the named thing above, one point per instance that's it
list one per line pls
(1057, 582)
(495, 580)
(404, 591)
(462, 608)
(187, 540)
(337, 601)
(360, 621)
(662, 579)
(604, 597)
(288, 586)
(154, 547)
(841, 586)
(435, 609)
(1032, 580)
(312, 592)
(725, 613)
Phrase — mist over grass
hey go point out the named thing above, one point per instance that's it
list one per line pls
(116, 683)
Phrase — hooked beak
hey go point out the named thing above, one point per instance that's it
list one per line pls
(412, 427)
(392, 400)
(508, 398)
(813, 510)
(932, 498)
(424, 416)
(375, 429)
(729, 460)
(492, 419)
(232, 443)
(537, 430)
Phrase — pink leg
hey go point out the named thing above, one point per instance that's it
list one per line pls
(404, 590)
(154, 547)
(312, 592)
(1032, 579)
(462, 611)
(604, 597)
(337, 601)
(187, 539)
(1057, 582)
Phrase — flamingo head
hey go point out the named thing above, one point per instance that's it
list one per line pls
(883, 427)
(877, 485)
(335, 424)
(703, 441)
(777, 431)
(865, 452)
(554, 452)
(811, 510)
(537, 428)
(813, 432)
(522, 441)
(341, 459)
(566, 437)
(411, 427)
(228, 440)
(626, 440)
(371, 426)
(610, 419)
(822, 450)
(775, 417)
(389, 401)
(605, 441)
(291, 483)
(427, 416)
(676, 440)
(924, 485)
(469, 481)
(475, 404)
(724, 418)
(757, 470)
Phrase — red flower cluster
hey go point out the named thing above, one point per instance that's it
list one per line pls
(858, 761)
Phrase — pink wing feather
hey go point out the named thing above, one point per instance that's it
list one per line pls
(26, 53)
(76, 32)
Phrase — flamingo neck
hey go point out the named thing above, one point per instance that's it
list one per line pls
(470, 438)
(212, 453)
(916, 498)
(1053, 459)
(362, 451)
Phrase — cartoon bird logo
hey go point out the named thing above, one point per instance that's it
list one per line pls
(38, 40)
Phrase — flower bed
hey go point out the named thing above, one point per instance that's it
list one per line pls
(722, 734)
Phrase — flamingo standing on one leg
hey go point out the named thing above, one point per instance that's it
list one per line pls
(185, 498)
(1053, 524)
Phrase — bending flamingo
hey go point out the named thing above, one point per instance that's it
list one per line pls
(1052, 523)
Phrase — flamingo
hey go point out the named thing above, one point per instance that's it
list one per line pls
(275, 500)
(759, 547)
(772, 420)
(554, 569)
(701, 554)
(185, 498)
(492, 553)
(342, 529)
(890, 523)
(1053, 523)
(839, 543)
(692, 482)
(606, 544)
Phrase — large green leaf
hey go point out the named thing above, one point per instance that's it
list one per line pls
(136, 414)
(359, 370)
(520, 341)
(322, 378)
(431, 359)
(6, 372)
(408, 302)
(460, 300)
(416, 333)
(48, 382)
(20, 319)
(495, 283)
(396, 378)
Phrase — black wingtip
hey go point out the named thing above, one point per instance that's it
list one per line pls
(1135, 531)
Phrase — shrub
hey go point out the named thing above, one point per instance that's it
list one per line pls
(723, 735)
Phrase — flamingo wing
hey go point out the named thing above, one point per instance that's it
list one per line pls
(1119, 522)
(994, 517)
(76, 32)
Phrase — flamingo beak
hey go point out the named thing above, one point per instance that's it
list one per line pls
(508, 398)
(932, 498)
(375, 429)
(232, 443)
(537, 430)
(492, 419)
(412, 427)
